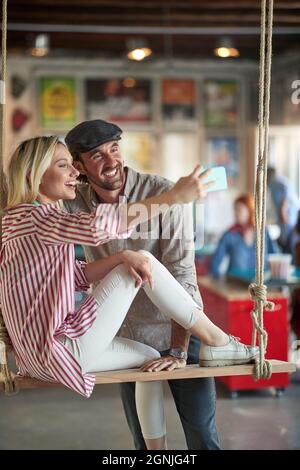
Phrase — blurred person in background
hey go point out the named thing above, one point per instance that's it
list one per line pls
(295, 296)
(238, 242)
(284, 203)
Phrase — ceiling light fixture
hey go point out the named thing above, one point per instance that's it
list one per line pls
(138, 49)
(225, 48)
(41, 46)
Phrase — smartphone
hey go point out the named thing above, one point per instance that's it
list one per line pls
(218, 176)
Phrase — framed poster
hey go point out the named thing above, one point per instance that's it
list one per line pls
(58, 102)
(253, 101)
(179, 154)
(127, 100)
(224, 151)
(221, 103)
(137, 149)
(178, 100)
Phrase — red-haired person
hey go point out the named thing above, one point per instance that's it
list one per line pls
(238, 242)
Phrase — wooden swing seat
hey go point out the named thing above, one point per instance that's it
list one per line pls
(134, 375)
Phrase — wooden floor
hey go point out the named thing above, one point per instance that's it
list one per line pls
(134, 375)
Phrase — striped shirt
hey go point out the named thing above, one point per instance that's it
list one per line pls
(39, 276)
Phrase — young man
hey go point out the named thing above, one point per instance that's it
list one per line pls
(95, 150)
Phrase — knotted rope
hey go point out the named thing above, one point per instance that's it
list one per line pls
(5, 344)
(263, 368)
(258, 290)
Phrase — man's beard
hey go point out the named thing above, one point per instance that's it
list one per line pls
(109, 185)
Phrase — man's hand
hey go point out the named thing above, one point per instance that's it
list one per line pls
(163, 363)
(192, 187)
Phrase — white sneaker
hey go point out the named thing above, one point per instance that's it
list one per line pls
(232, 353)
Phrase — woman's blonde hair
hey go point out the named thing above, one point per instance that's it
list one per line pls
(25, 170)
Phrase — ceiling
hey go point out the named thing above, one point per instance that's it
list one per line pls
(183, 29)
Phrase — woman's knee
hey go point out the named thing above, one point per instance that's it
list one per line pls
(118, 278)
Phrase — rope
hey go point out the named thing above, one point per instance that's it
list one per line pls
(258, 290)
(5, 344)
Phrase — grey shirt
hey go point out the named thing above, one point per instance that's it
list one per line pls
(168, 237)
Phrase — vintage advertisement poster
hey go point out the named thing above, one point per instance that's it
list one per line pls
(58, 102)
(178, 100)
(124, 100)
(221, 103)
(224, 151)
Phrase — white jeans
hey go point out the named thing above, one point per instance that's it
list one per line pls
(99, 350)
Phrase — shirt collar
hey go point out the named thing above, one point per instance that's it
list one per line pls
(130, 181)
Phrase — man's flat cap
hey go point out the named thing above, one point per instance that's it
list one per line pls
(90, 134)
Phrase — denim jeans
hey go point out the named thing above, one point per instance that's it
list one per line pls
(195, 400)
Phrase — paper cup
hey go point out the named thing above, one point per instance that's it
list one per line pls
(280, 265)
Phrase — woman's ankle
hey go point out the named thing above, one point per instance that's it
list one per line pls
(159, 443)
(208, 332)
(217, 339)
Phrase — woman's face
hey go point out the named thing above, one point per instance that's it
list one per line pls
(242, 213)
(59, 180)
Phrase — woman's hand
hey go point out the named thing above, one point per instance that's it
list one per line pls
(163, 363)
(139, 266)
(192, 187)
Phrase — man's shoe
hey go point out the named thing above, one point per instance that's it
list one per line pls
(232, 353)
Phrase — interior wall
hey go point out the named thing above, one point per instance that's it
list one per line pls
(157, 146)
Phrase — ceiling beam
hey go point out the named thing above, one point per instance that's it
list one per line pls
(150, 19)
(155, 30)
(199, 4)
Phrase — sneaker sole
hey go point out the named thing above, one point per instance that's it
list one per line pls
(225, 362)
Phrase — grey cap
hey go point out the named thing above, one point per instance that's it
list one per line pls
(90, 134)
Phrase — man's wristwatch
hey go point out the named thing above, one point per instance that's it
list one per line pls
(179, 353)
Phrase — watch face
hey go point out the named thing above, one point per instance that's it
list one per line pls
(176, 352)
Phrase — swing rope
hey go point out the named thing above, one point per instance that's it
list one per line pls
(258, 290)
(5, 343)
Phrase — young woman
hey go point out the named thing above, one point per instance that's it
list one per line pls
(52, 340)
(238, 242)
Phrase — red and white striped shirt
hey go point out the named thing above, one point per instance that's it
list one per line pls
(39, 276)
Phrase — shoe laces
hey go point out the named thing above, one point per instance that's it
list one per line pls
(237, 341)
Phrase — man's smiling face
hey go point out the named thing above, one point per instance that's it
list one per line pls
(103, 166)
